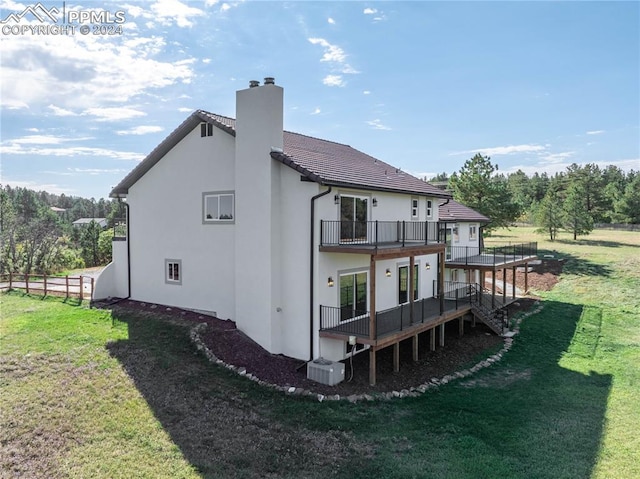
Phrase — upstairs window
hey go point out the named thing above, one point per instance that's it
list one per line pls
(414, 208)
(456, 234)
(206, 129)
(218, 207)
(473, 232)
(429, 208)
(173, 271)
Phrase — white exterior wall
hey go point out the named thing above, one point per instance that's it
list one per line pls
(390, 207)
(165, 222)
(113, 280)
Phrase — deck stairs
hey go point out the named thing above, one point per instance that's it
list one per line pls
(495, 318)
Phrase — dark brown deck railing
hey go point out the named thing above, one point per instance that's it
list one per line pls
(491, 255)
(374, 233)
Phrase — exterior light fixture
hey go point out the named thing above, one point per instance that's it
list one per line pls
(330, 282)
(427, 266)
(374, 201)
(388, 273)
(336, 199)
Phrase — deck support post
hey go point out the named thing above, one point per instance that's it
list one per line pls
(432, 339)
(372, 366)
(526, 278)
(461, 326)
(372, 300)
(504, 285)
(414, 344)
(513, 289)
(396, 357)
(493, 289)
(442, 335)
(440, 281)
(410, 287)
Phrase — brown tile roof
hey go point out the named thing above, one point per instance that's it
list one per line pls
(322, 161)
(454, 211)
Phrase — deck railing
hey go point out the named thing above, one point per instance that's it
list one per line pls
(374, 233)
(119, 229)
(491, 255)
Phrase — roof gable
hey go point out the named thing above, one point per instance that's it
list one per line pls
(322, 161)
(453, 211)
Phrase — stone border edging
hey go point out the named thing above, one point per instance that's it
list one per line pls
(433, 383)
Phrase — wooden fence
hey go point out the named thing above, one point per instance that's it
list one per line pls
(76, 286)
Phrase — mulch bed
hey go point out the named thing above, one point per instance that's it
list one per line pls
(233, 347)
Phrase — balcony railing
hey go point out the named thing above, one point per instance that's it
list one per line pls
(377, 233)
(491, 255)
(119, 229)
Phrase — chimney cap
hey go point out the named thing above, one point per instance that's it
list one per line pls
(269, 81)
(254, 83)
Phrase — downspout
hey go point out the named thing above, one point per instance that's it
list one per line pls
(311, 268)
(126, 205)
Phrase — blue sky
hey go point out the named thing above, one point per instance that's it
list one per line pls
(422, 85)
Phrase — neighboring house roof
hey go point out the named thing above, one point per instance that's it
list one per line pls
(86, 221)
(453, 211)
(322, 161)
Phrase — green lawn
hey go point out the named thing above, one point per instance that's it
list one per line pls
(86, 393)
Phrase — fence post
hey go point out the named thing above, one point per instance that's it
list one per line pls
(67, 283)
(81, 295)
(44, 279)
(26, 280)
(10, 279)
(93, 279)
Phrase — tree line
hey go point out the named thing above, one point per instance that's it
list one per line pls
(34, 238)
(574, 200)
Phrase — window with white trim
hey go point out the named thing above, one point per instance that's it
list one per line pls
(429, 209)
(218, 207)
(473, 232)
(173, 271)
(414, 208)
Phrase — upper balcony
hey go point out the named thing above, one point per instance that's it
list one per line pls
(491, 257)
(380, 237)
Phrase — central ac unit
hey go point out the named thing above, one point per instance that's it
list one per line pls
(324, 371)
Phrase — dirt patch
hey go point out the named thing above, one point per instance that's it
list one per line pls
(543, 276)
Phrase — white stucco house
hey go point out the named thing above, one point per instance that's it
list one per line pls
(308, 245)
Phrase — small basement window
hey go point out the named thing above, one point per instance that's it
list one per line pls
(173, 271)
(218, 207)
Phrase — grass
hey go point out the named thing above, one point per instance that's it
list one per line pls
(88, 393)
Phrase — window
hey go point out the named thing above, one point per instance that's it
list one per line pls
(353, 219)
(218, 207)
(353, 295)
(414, 208)
(206, 129)
(473, 232)
(429, 208)
(403, 283)
(455, 233)
(173, 271)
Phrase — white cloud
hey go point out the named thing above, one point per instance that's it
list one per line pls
(168, 12)
(15, 147)
(366, 92)
(42, 140)
(370, 11)
(140, 130)
(97, 171)
(113, 114)
(331, 21)
(57, 111)
(333, 80)
(224, 7)
(377, 124)
(85, 71)
(557, 157)
(206, 61)
(502, 150)
(334, 55)
(559, 167)
(185, 110)
(316, 111)
(595, 132)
